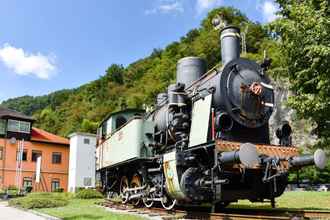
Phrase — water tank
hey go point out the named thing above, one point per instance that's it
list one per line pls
(190, 69)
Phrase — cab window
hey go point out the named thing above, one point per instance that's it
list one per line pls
(120, 121)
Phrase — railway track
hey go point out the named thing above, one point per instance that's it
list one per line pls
(227, 214)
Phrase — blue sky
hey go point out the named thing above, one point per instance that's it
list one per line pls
(46, 45)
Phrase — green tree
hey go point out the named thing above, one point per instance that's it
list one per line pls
(115, 73)
(304, 32)
(48, 120)
(88, 126)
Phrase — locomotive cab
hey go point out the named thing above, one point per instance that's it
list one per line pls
(122, 136)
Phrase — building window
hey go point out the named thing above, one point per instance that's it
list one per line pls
(55, 184)
(24, 127)
(19, 126)
(86, 141)
(35, 155)
(27, 181)
(56, 157)
(2, 126)
(24, 155)
(1, 153)
(13, 125)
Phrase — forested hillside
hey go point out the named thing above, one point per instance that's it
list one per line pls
(81, 109)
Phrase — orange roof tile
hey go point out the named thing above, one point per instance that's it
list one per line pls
(44, 136)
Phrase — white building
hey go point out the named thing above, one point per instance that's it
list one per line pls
(82, 161)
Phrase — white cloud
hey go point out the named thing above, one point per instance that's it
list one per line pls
(24, 63)
(205, 5)
(175, 6)
(269, 9)
(166, 7)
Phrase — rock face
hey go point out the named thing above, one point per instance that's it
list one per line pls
(301, 129)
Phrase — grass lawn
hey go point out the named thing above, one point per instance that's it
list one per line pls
(83, 209)
(293, 200)
(79, 209)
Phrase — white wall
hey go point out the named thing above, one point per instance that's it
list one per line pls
(82, 161)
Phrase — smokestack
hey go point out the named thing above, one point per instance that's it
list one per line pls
(230, 44)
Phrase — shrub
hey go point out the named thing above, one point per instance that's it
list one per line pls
(78, 189)
(41, 200)
(12, 192)
(38, 202)
(41, 194)
(88, 194)
(55, 195)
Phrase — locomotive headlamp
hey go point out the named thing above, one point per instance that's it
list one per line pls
(284, 130)
(283, 133)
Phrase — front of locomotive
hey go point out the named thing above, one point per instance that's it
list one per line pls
(243, 96)
(242, 164)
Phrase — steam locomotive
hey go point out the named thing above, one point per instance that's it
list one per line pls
(206, 141)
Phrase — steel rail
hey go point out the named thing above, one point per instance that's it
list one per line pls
(228, 213)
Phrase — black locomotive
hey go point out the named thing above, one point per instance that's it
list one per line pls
(206, 141)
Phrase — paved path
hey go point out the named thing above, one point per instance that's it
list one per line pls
(9, 213)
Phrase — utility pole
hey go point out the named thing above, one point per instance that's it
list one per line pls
(20, 148)
(244, 33)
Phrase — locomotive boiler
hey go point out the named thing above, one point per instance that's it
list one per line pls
(206, 141)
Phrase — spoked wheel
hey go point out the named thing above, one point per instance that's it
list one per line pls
(136, 182)
(149, 202)
(167, 202)
(123, 187)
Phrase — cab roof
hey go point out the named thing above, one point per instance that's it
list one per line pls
(129, 110)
